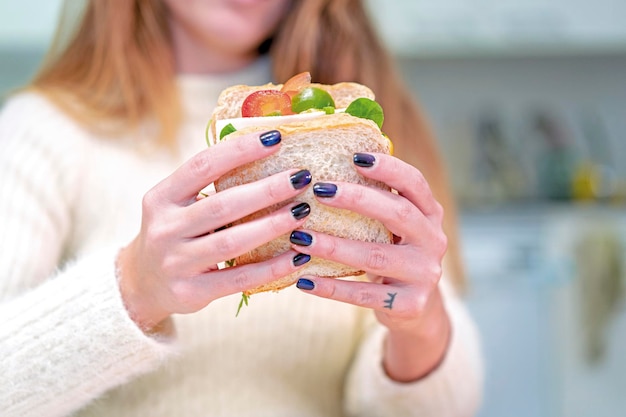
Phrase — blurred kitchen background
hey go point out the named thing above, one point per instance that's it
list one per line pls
(528, 98)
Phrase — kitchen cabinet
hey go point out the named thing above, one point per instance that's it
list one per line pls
(488, 27)
(529, 299)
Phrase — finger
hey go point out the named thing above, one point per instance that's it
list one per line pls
(227, 281)
(207, 166)
(398, 300)
(234, 203)
(397, 213)
(239, 239)
(401, 176)
(396, 261)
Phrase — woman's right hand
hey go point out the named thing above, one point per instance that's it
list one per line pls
(171, 265)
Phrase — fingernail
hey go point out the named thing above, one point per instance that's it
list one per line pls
(300, 211)
(300, 179)
(270, 138)
(301, 259)
(324, 189)
(301, 238)
(305, 284)
(363, 159)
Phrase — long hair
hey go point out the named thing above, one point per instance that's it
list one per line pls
(116, 68)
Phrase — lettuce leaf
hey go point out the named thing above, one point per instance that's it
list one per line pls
(367, 109)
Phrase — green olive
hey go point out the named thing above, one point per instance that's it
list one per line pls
(311, 98)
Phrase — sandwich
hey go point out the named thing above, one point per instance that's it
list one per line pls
(322, 127)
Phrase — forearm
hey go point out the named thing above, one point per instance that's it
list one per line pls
(68, 341)
(414, 351)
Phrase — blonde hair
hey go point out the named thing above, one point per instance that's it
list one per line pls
(117, 66)
(115, 69)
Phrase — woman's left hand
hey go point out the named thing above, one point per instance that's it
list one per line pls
(403, 277)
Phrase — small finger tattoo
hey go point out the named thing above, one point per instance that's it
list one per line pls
(389, 302)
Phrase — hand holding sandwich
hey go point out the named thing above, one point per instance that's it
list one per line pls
(366, 212)
(172, 264)
(404, 276)
(370, 212)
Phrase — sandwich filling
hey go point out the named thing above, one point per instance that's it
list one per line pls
(297, 101)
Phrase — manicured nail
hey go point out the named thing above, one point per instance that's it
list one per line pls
(300, 179)
(363, 159)
(301, 259)
(300, 238)
(324, 189)
(305, 284)
(300, 211)
(270, 138)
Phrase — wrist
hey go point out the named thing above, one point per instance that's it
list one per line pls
(139, 309)
(414, 352)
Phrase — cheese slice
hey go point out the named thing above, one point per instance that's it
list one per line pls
(269, 121)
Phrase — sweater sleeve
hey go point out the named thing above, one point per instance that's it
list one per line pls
(65, 336)
(454, 389)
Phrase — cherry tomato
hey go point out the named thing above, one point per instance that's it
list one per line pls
(266, 103)
(311, 98)
(296, 83)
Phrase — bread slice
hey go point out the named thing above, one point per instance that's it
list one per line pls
(325, 146)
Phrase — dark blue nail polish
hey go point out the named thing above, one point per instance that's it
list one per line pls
(270, 138)
(305, 284)
(301, 259)
(324, 189)
(363, 159)
(300, 179)
(300, 211)
(300, 238)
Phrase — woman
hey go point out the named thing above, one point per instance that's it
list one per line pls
(111, 300)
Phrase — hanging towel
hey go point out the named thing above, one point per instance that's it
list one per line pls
(600, 272)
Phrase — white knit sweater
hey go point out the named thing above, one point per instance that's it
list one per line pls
(69, 200)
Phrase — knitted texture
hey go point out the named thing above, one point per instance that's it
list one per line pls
(70, 199)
